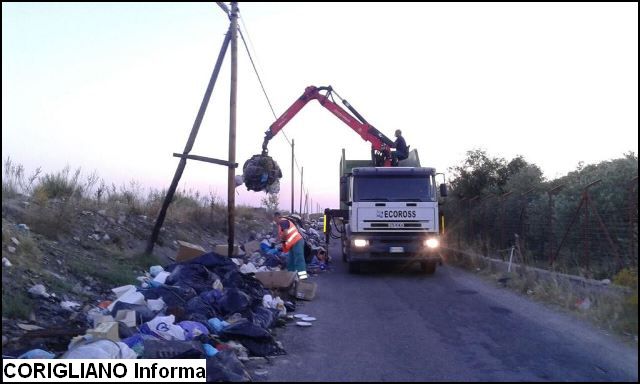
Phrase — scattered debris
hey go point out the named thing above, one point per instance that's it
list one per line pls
(583, 304)
(11, 249)
(39, 290)
(6, 262)
(28, 327)
(303, 323)
(70, 305)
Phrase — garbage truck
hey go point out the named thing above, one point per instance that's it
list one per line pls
(388, 213)
(389, 209)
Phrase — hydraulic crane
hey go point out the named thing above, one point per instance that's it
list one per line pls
(380, 144)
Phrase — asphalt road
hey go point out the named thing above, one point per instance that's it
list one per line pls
(397, 324)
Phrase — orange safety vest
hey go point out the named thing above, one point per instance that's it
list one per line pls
(290, 236)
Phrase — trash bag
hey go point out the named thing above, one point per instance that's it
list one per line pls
(173, 296)
(175, 349)
(225, 366)
(164, 327)
(198, 317)
(196, 276)
(211, 297)
(260, 172)
(262, 347)
(264, 317)
(199, 306)
(257, 340)
(37, 354)
(101, 349)
(143, 313)
(124, 331)
(234, 300)
(193, 329)
(245, 328)
(217, 325)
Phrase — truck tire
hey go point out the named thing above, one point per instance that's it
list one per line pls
(428, 267)
(344, 252)
(354, 267)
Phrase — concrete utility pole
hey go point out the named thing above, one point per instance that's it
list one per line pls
(231, 186)
(293, 159)
(301, 178)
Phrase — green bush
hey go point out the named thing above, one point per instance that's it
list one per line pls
(60, 185)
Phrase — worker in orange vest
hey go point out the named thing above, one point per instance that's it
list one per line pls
(292, 242)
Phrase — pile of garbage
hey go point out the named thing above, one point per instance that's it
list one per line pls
(266, 254)
(262, 173)
(205, 307)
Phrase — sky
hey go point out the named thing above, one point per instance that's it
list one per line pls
(115, 87)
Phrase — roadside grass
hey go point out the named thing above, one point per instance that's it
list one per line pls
(615, 312)
(16, 304)
(56, 206)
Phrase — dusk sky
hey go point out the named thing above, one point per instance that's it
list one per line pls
(115, 87)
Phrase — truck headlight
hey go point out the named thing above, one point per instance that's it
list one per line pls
(360, 242)
(432, 243)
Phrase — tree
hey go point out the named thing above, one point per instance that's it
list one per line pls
(271, 201)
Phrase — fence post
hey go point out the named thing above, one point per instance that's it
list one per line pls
(503, 198)
(551, 236)
(523, 222)
(633, 217)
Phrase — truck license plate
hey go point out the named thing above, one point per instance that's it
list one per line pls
(396, 249)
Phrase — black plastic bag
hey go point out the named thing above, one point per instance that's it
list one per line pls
(197, 305)
(225, 366)
(263, 317)
(196, 276)
(234, 300)
(172, 349)
(259, 172)
(173, 296)
(143, 313)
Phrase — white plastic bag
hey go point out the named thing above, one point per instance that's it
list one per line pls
(156, 305)
(164, 327)
(101, 349)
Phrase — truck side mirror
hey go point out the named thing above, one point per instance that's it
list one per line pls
(443, 190)
(344, 189)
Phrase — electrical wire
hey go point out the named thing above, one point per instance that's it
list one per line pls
(255, 69)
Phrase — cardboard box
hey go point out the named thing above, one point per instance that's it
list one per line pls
(108, 330)
(188, 251)
(252, 246)
(223, 249)
(306, 290)
(276, 279)
(281, 283)
(127, 316)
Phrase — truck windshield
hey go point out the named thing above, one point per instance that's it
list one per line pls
(392, 188)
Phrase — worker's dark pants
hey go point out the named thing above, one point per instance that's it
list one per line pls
(295, 258)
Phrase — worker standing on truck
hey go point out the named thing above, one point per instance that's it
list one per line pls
(292, 242)
(402, 151)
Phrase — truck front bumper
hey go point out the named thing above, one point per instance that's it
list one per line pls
(394, 248)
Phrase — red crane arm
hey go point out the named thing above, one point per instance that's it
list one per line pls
(379, 141)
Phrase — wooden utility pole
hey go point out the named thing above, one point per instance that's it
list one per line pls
(293, 159)
(301, 178)
(231, 185)
(187, 148)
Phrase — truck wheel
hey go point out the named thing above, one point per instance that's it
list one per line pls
(354, 267)
(428, 267)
